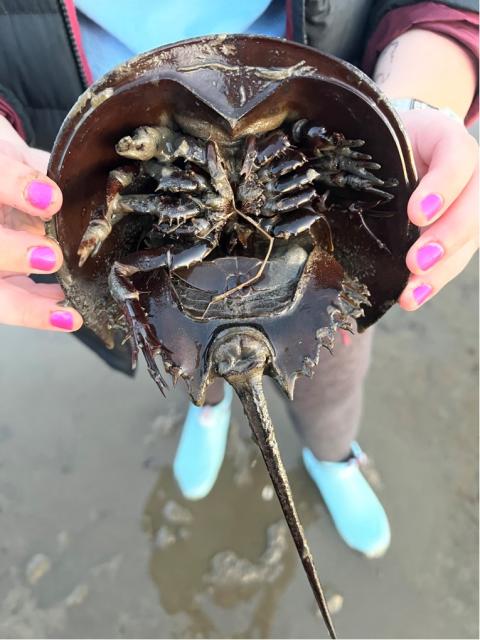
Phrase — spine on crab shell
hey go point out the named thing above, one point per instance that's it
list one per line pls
(250, 391)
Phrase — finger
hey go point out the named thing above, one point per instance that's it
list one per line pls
(50, 291)
(15, 219)
(26, 189)
(38, 159)
(8, 133)
(15, 147)
(21, 308)
(456, 228)
(422, 288)
(451, 157)
(24, 252)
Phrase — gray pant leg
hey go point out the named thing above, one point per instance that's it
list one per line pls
(214, 393)
(326, 409)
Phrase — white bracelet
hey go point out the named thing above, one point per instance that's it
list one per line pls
(410, 104)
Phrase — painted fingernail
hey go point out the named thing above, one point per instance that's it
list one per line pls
(61, 320)
(431, 205)
(429, 254)
(42, 258)
(40, 194)
(421, 293)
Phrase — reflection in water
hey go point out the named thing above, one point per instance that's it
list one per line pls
(225, 560)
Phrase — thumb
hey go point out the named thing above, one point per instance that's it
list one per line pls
(448, 154)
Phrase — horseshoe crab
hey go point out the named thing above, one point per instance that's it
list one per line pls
(218, 213)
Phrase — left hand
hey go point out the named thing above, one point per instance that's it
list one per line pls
(444, 204)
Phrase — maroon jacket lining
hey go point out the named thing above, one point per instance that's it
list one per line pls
(13, 118)
(459, 25)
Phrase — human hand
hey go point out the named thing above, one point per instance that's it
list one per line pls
(444, 204)
(27, 198)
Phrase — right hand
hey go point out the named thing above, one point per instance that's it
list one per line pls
(27, 199)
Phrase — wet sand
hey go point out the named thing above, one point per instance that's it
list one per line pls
(96, 541)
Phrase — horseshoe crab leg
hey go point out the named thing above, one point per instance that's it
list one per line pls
(241, 359)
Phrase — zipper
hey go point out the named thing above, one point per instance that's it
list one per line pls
(73, 44)
(297, 21)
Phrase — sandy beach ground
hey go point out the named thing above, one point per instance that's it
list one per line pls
(96, 541)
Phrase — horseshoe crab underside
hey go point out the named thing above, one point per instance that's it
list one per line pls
(227, 212)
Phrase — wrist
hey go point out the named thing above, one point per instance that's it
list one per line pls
(414, 104)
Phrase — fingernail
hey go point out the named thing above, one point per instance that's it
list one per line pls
(431, 205)
(40, 194)
(42, 258)
(421, 293)
(61, 320)
(429, 254)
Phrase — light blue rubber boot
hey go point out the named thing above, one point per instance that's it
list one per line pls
(202, 447)
(356, 511)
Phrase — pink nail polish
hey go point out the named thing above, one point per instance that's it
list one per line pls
(429, 254)
(431, 205)
(421, 293)
(40, 194)
(42, 258)
(61, 320)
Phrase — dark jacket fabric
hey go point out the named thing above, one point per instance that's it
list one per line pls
(39, 75)
(43, 69)
(343, 27)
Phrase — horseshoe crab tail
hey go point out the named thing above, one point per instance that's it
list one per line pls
(250, 392)
(241, 357)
